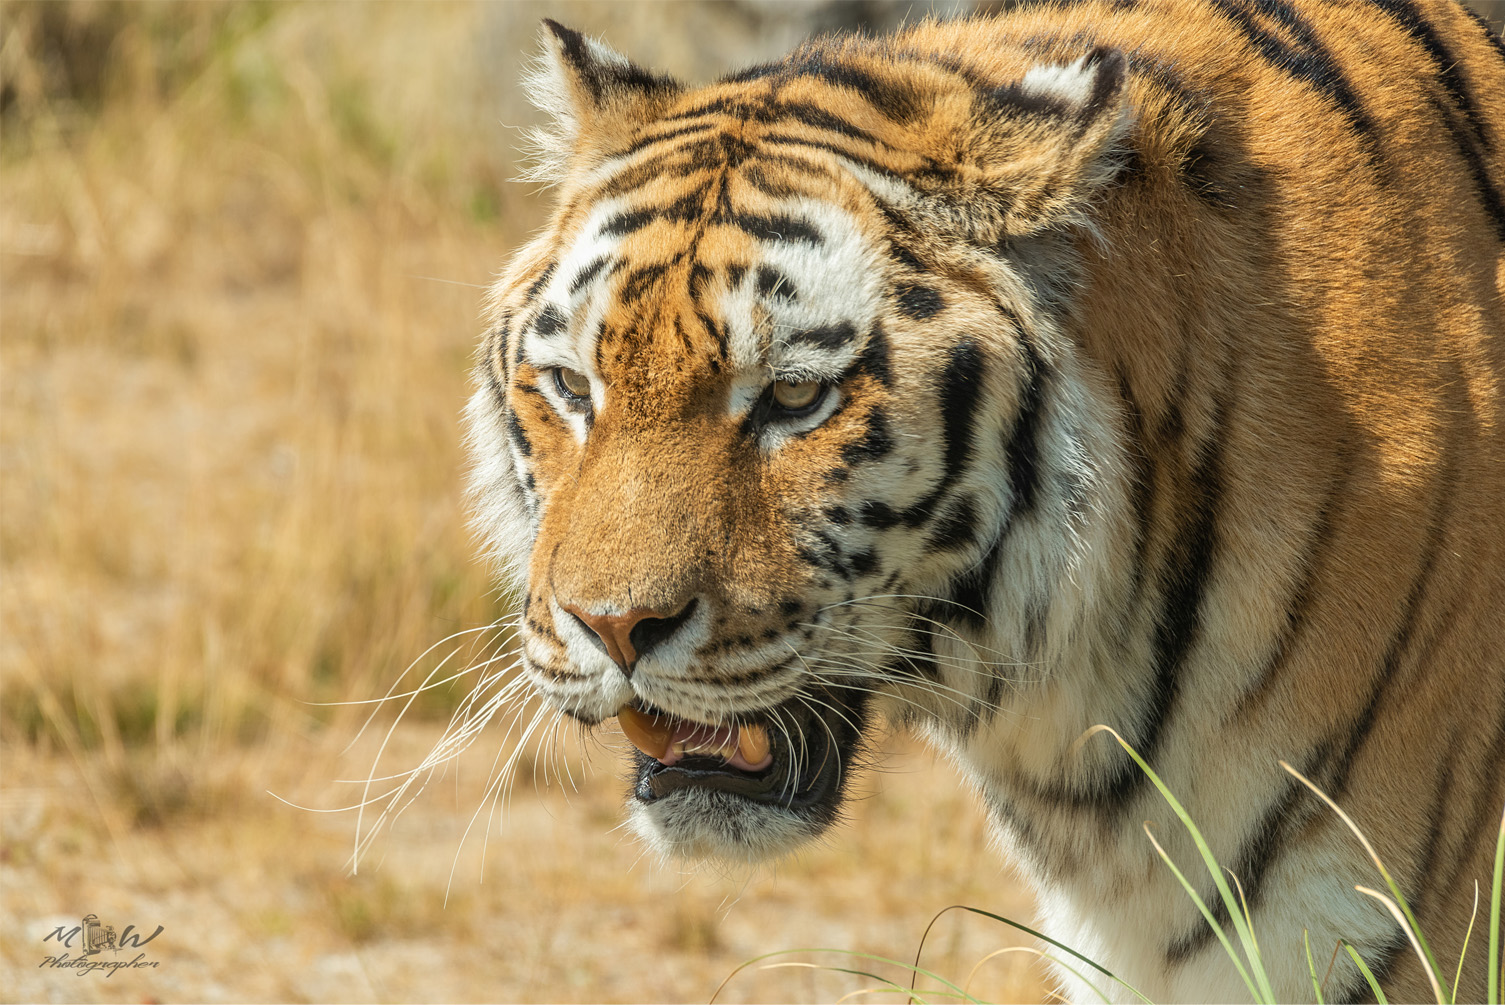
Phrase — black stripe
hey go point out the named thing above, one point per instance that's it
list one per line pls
(519, 438)
(1308, 61)
(1260, 850)
(1444, 63)
(1486, 807)
(1488, 194)
(772, 282)
(588, 273)
(876, 443)
(627, 223)
(906, 258)
(878, 515)
(918, 302)
(682, 210)
(758, 71)
(1421, 885)
(775, 188)
(865, 562)
(971, 596)
(837, 336)
(1022, 448)
(772, 227)
(1185, 577)
(671, 134)
(1313, 559)
(1141, 486)
(960, 391)
(736, 107)
(640, 280)
(1013, 99)
(495, 354)
(957, 529)
(700, 278)
(1472, 144)
(498, 393)
(894, 98)
(1200, 170)
(1336, 782)
(714, 330)
(820, 118)
(549, 322)
(874, 358)
(536, 287)
(785, 140)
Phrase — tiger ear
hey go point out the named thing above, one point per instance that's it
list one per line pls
(1045, 146)
(595, 96)
(1017, 160)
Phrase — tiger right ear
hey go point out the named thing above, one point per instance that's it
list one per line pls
(1050, 142)
(596, 97)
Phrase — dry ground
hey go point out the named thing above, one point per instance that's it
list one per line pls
(241, 257)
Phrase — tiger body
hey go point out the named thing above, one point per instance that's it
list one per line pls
(1157, 356)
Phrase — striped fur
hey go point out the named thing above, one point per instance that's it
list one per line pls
(1161, 356)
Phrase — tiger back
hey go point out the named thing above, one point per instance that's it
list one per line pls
(1124, 363)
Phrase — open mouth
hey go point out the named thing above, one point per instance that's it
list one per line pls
(797, 763)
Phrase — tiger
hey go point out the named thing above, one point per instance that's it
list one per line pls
(1126, 363)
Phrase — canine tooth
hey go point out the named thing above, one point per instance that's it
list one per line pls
(645, 732)
(752, 743)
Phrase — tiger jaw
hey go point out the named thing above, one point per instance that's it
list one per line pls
(749, 790)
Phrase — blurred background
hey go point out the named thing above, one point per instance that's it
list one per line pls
(243, 248)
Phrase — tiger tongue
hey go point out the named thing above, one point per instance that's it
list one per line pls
(668, 740)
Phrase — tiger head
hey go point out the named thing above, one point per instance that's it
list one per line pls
(759, 409)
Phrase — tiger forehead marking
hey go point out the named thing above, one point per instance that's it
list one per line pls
(1136, 364)
(722, 301)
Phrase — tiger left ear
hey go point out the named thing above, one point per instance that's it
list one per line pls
(596, 96)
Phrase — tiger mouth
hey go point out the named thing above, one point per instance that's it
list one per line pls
(796, 764)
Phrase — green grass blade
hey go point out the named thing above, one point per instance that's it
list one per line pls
(1311, 968)
(1463, 953)
(1244, 905)
(1494, 917)
(1412, 935)
(1061, 946)
(952, 991)
(1217, 929)
(1374, 985)
(1408, 921)
(1246, 937)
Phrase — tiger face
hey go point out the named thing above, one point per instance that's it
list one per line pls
(1124, 364)
(728, 498)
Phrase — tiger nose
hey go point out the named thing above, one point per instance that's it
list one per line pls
(630, 635)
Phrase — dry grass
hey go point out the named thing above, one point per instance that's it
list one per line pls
(240, 252)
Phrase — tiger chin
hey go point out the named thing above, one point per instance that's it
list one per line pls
(1135, 364)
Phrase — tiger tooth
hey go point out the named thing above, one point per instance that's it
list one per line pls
(645, 732)
(752, 743)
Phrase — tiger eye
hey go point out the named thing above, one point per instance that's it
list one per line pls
(572, 383)
(795, 395)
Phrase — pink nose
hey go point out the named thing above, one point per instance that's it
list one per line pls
(629, 635)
